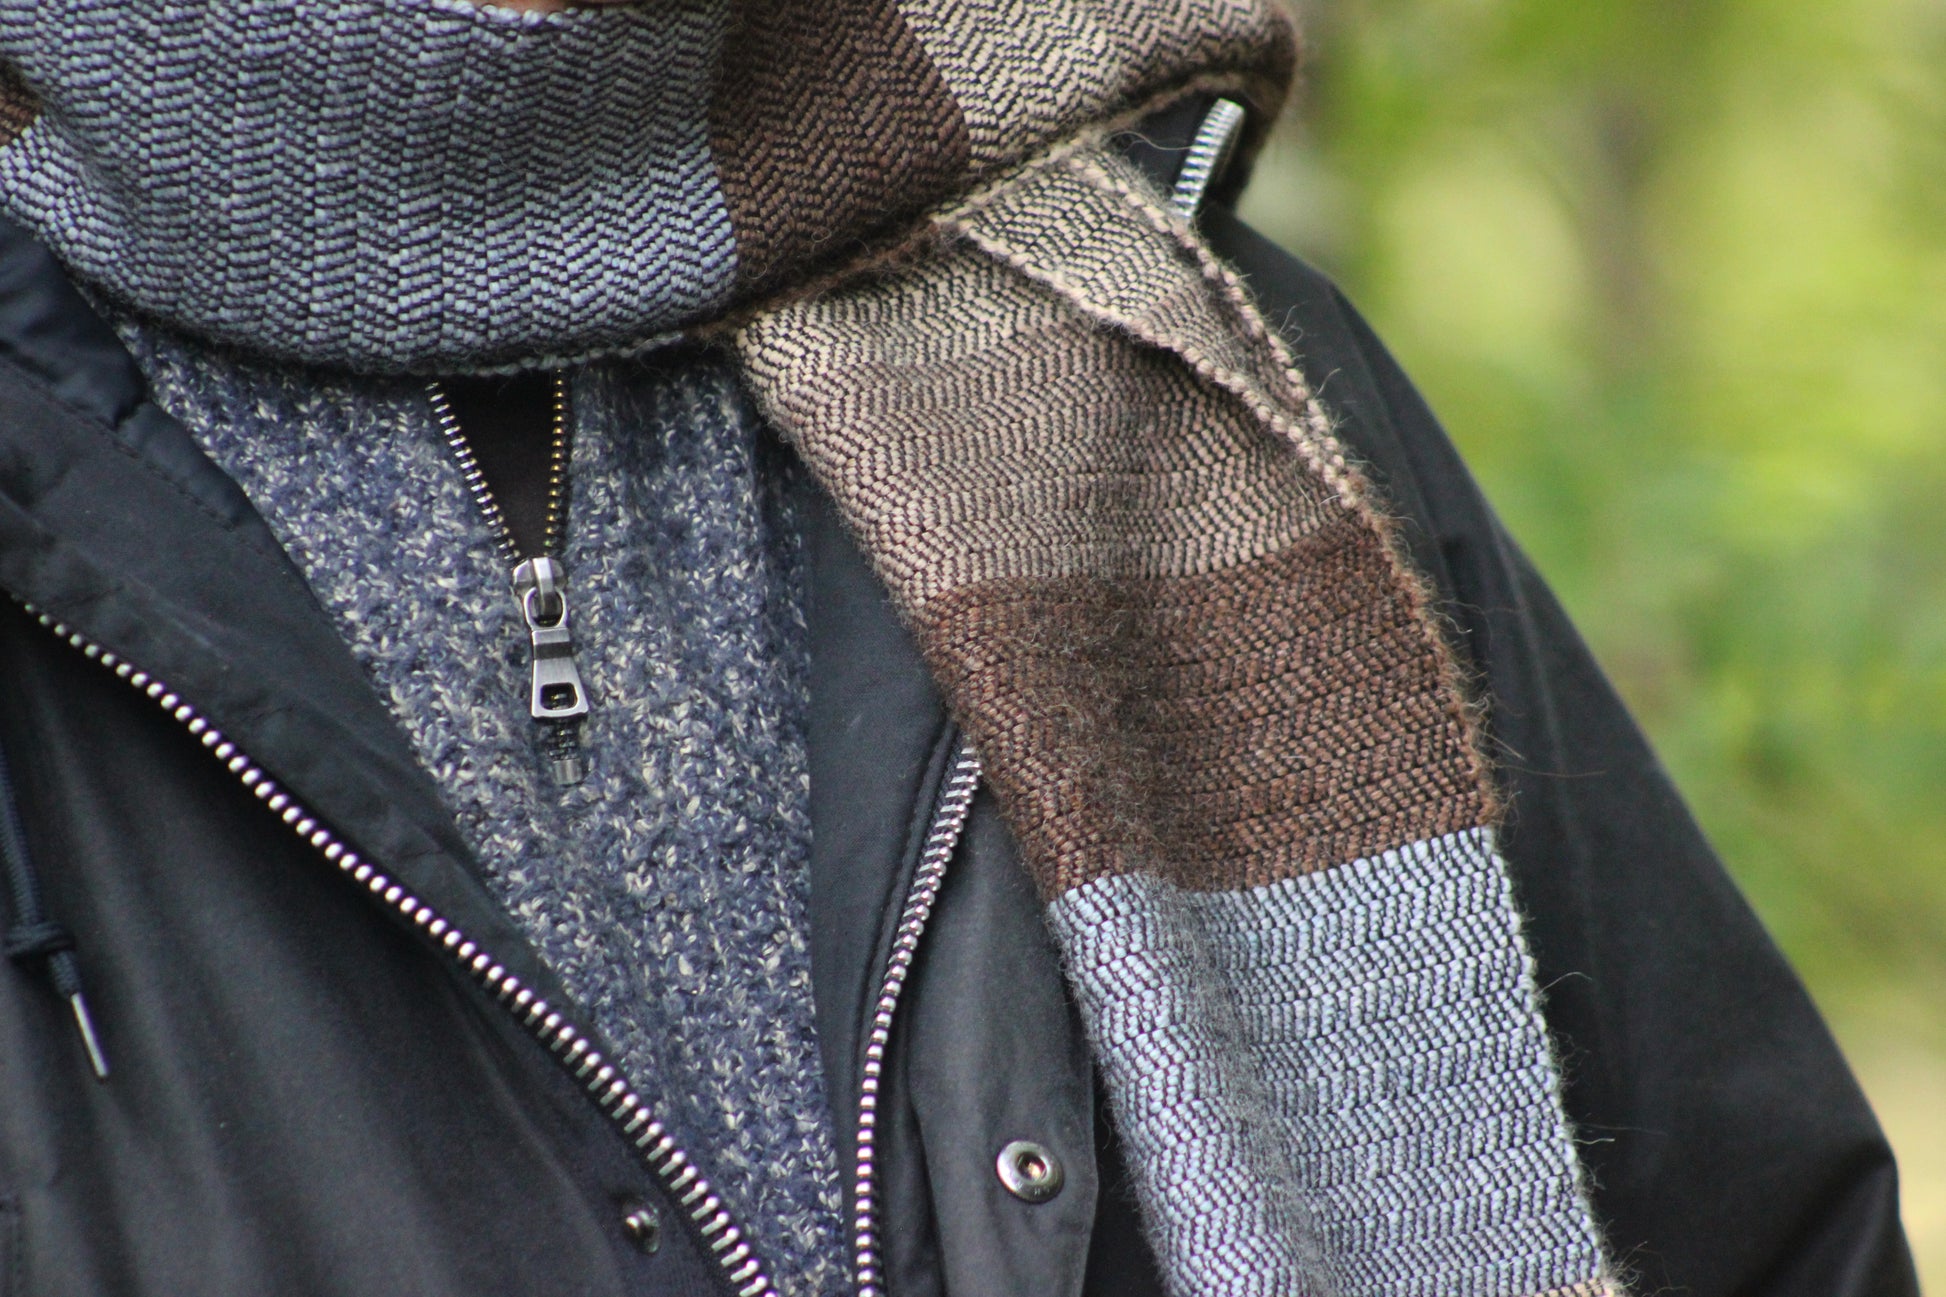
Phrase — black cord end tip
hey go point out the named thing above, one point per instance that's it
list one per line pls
(89, 1040)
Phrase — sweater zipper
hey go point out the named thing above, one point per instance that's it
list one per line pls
(601, 1080)
(948, 822)
(556, 698)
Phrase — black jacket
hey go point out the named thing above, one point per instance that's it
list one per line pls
(317, 1090)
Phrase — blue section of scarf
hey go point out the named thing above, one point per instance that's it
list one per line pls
(380, 184)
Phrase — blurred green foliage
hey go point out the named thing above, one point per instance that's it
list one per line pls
(1674, 275)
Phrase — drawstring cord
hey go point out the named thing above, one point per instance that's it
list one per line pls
(32, 935)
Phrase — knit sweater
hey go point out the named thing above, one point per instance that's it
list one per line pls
(667, 889)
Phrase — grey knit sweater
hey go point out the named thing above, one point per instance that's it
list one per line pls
(668, 889)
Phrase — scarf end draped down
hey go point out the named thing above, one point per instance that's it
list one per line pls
(1222, 722)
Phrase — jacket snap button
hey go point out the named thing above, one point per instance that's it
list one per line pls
(1030, 1171)
(643, 1226)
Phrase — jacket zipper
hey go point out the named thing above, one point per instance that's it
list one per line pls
(1208, 157)
(948, 821)
(556, 698)
(610, 1090)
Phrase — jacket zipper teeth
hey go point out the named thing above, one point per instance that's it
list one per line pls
(948, 821)
(1216, 139)
(603, 1082)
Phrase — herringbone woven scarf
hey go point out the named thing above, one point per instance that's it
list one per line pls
(1205, 687)
(1207, 690)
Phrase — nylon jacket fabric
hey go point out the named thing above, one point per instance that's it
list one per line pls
(308, 1099)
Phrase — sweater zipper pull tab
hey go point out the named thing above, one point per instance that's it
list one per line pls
(557, 699)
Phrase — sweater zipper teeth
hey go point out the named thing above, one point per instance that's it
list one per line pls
(476, 483)
(612, 1093)
(554, 531)
(955, 800)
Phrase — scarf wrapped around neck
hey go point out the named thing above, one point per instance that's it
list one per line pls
(1203, 682)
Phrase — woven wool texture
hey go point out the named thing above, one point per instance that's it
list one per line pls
(409, 184)
(1224, 729)
(17, 106)
(551, 186)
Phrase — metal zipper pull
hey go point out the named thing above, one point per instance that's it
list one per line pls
(557, 698)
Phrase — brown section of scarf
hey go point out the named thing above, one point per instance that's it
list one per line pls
(1218, 731)
(18, 106)
(1029, 72)
(827, 123)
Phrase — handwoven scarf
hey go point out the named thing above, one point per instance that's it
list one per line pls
(1206, 688)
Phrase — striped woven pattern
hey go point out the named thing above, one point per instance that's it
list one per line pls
(405, 184)
(435, 186)
(1222, 725)
(1208, 693)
